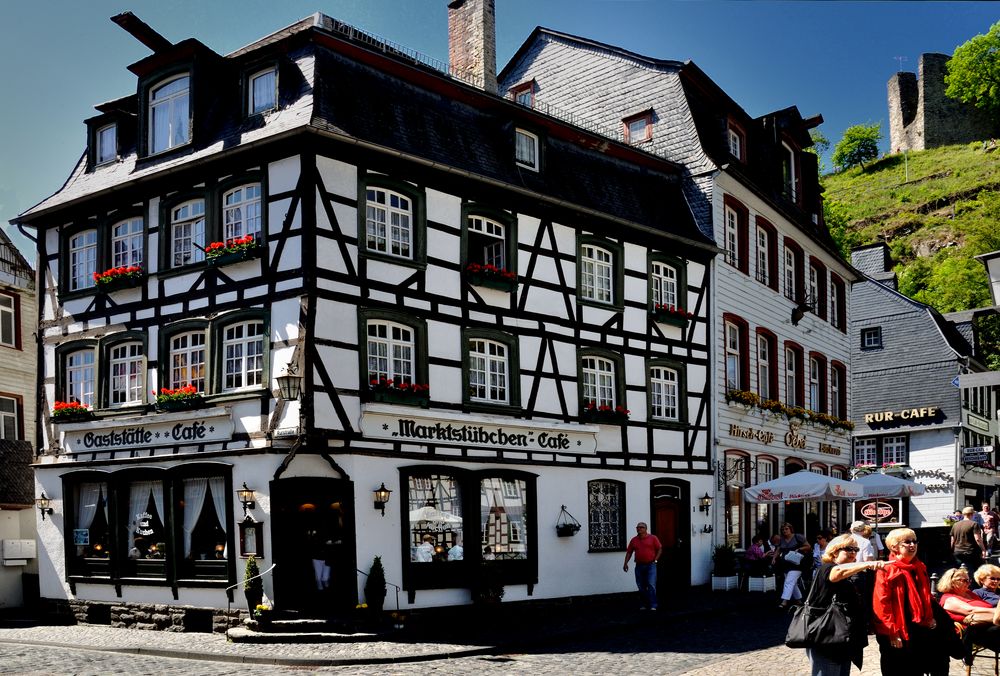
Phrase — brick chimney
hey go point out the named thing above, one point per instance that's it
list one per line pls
(472, 42)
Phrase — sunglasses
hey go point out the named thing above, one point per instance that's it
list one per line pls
(908, 542)
(853, 550)
(994, 579)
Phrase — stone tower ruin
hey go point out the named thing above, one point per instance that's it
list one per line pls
(922, 117)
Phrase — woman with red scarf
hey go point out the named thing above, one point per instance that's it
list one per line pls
(903, 611)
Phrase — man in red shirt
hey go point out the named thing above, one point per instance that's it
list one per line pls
(646, 548)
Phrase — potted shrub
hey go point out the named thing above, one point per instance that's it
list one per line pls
(253, 585)
(375, 586)
(724, 568)
(487, 587)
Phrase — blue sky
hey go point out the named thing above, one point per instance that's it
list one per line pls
(64, 56)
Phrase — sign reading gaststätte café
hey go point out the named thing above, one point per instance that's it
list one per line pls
(147, 431)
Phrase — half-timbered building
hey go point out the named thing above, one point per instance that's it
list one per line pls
(778, 325)
(497, 317)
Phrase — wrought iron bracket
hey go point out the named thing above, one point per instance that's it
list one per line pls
(739, 467)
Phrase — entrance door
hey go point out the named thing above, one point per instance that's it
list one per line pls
(671, 524)
(313, 519)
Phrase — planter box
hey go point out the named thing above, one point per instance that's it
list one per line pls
(670, 319)
(725, 583)
(761, 584)
(604, 417)
(73, 417)
(188, 404)
(399, 397)
(235, 256)
(119, 283)
(490, 281)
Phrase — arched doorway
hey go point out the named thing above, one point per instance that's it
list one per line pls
(313, 517)
(671, 523)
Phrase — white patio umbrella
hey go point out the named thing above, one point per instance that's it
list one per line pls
(803, 486)
(433, 515)
(887, 486)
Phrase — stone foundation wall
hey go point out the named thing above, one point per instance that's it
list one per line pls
(148, 616)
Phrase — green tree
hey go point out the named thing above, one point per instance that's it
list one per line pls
(859, 145)
(820, 145)
(974, 71)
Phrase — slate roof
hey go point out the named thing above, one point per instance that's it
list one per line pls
(425, 114)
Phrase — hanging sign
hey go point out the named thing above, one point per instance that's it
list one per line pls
(883, 512)
(976, 454)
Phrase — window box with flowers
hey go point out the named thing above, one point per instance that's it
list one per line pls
(115, 279)
(490, 277)
(743, 398)
(233, 250)
(797, 413)
(827, 420)
(391, 392)
(70, 411)
(773, 406)
(184, 398)
(590, 412)
(671, 314)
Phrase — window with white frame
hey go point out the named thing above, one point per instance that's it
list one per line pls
(241, 215)
(524, 94)
(664, 393)
(127, 382)
(788, 172)
(488, 371)
(263, 91)
(8, 321)
(865, 451)
(107, 144)
(79, 374)
(596, 273)
(732, 243)
(389, 223)
(834, 304)
(8, 419)
(814, 287)
(187, 232)
(169, 115)
(664, 280)
(391, 352)
(638, 129)
(242, 355)
(487, 242)
(734, 357)
(835, 392)
(894, 449)
(764, 366)
(82, 260)
(815, 385)
(598, 381)
(763, 256)
(735, 143)
(187, 360)
(126, 243)
(526, 149)
(790, 274)
(871, 337)
(792, 377)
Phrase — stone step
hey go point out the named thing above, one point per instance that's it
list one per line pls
(248, 635)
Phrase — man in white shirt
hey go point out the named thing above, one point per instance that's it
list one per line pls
(865, 550)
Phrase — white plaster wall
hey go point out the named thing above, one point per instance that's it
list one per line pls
(932, 451)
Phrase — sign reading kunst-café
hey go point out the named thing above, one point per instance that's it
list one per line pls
(147, 431)
(422, 427)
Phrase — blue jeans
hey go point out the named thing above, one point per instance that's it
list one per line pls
(645, 580)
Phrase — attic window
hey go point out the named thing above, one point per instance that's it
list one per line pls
(526, 149)
(524, 94)
(871, 338)
(638, 128)
(106, 142)
(170, 115)
(736, 143)
(263, 91)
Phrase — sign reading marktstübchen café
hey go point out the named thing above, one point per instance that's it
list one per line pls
(425, 427)
(144, 432)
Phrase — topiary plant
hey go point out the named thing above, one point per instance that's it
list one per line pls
(375, 586)
(253, 585)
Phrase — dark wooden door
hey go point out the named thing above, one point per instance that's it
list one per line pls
(672, 525)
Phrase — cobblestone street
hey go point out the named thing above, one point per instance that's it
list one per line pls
(709, 645)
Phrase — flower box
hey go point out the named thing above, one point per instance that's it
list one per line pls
(68, 412)
(115, 279)
(491, 277)
(233, 251)
(565, 530)
(672, 315)
(604, 415)
(725, 582)
(389, 392)
(184, 398)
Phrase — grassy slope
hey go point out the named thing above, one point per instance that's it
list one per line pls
(936, 209)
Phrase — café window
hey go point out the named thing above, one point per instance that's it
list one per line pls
(503, 519)
(92, 547)
(435, 519)
(606, 515)
(204, 536)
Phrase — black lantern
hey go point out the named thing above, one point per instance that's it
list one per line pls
(381, 497)
(43, 505)
(290, 384)
(706, 503)
(247, 498)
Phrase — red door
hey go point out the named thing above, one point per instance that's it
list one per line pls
(672, 525)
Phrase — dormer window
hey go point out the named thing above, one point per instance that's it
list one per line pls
(788, 180)
(263, 92)
(638, 128)
(736, 143)
(106, 142)
(170, 115)
(524, 94)
(526, 149)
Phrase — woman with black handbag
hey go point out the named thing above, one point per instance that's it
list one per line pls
(832, 585)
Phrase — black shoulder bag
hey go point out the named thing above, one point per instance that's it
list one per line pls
(817, 626)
